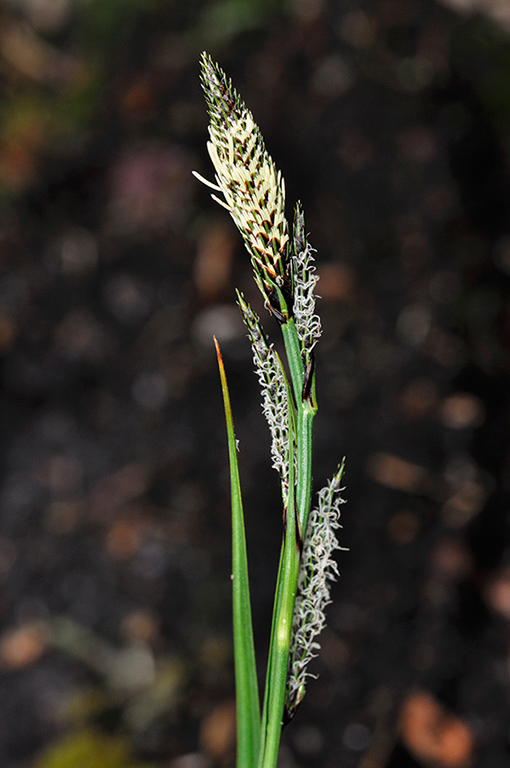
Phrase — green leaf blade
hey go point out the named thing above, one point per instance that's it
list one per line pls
(247, 694)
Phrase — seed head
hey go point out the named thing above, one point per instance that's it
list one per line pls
(308, 324)
(317, 570)
(253, 190)
(274, 394)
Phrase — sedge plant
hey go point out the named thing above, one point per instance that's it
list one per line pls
(252, 190)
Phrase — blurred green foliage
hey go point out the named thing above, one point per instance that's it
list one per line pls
(482, 55)
(89, 749)
(68, 77)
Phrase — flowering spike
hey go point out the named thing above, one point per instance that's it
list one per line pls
(308, 324)
(253, 190)
(274, 393)
(247, 183)
(316, 571)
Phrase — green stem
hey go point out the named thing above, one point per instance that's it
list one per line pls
(298, 508)
(280, 662)
(281, 631)
(306, 410)
(270, 661)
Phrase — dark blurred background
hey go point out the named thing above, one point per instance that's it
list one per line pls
(390, 120)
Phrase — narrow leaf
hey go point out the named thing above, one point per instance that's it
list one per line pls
(247, 695)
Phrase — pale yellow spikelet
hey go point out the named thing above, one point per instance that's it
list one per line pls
(253, 189)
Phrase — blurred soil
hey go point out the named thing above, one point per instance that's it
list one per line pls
(390, 121)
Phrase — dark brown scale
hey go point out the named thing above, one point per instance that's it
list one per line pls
(276, 311)
(307, 383)
(262, 235)
(288, 714)
(259, 341)
(274, 245)
(264, 198)
(226, 97)
(299, 230)
(274, 302)
(218, 86)
(219, 94)
(299, 535)
(260, 251)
